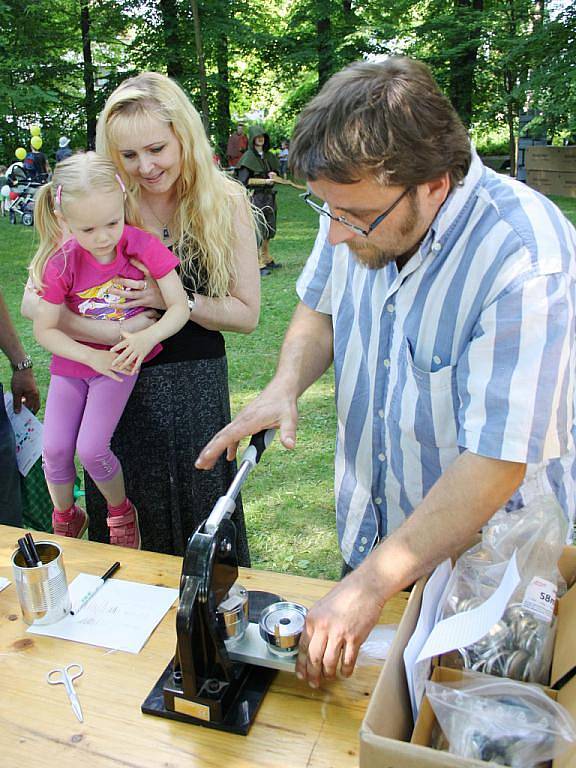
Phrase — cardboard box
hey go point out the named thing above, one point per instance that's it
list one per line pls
(422, 734)
(387, 726)
(551, 159)
(552, 182)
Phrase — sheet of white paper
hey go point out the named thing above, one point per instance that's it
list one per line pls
(28, 433)
(468, 627)
(122, 615)
(3, 583)
(430, 598)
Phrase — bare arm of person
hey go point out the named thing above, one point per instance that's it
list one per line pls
(456, 507)
(306, 353)
(23, 384)
(240, 310)
(49, 335)
(85, 328)
(134, 347)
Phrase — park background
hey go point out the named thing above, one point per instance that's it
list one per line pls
(498, 61)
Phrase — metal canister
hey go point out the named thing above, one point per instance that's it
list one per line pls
(43, 589)
(232, 614)
(281, 626)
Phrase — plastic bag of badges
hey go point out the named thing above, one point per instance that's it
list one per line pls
(500, 721)
(520, 645)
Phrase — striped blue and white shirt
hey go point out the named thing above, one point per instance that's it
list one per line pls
(470, 347)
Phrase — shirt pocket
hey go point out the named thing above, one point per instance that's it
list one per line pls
(427, 402)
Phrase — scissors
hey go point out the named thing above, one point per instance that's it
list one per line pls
(66, 677)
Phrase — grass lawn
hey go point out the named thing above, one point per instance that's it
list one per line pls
(289, 497)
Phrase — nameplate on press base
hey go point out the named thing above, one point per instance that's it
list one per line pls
(192, 708)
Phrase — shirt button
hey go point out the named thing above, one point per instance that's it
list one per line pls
(437, 247)
(361, 549)
(378, 500)
(437, 359)
(381, 413)
(390, 307)
(386, 363)
(381, 457)
(363, 540)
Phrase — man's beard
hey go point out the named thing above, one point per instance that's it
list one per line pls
(376, 257)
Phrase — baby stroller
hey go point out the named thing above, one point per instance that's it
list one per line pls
(20, 205)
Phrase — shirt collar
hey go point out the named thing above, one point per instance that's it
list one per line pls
(457, 201)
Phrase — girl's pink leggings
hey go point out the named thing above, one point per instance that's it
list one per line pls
(81, 415)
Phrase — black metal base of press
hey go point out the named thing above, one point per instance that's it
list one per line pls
(240, 714)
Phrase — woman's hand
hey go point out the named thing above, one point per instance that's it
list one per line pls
(140, 293)
(103, 361)
(141, 321)
(132, 350)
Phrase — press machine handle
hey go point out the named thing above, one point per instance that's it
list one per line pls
(226, 504)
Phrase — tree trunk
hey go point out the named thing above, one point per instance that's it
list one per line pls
(172, 44)
(222, 127)
(205, 110)
(324, 50)
(88, 73)
(463, 65)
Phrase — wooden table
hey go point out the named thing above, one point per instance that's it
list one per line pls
(295, 726)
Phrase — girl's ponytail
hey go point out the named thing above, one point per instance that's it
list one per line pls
(49, 231)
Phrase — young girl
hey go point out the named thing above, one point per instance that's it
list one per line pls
(90, 383)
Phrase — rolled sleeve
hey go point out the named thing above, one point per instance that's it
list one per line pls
(516, 377)
(314, 286)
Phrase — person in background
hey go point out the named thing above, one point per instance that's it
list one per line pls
(283, 156)
(4, 190)
(64, 149)
(24, 391)
(256, 170)
(36, 166)
(444, 294)
(149, 128)
(237, 145)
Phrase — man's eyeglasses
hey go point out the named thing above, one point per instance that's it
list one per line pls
(306, 196)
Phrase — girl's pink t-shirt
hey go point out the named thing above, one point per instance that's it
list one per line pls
(75, 278)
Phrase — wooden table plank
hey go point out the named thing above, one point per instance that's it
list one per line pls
(296, 725)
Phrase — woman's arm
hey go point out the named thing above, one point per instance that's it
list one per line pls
(134, 347)
(240, 310)
(85, 328)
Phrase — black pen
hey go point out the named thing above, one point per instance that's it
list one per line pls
(103, 579)
(33, 550)
(26, 554)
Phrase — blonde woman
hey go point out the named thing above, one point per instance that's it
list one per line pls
(155, 136)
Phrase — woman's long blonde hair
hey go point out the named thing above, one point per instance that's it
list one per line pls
(77, 176)
(208, 200)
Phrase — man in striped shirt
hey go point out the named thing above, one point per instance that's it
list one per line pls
(444, 294)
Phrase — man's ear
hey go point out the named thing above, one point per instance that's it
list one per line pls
(436, 191)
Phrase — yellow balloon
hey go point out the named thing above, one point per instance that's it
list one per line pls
(20, 153)
(36, 142)
(35, 129)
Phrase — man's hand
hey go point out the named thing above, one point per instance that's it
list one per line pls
(336, 627)
(272, 408)
(24, 390)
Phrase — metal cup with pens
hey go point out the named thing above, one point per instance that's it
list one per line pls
(41, 582)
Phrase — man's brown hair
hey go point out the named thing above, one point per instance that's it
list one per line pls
(385, 119)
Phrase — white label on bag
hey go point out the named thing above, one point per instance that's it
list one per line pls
(540, 599)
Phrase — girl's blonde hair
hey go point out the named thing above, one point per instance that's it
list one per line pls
(208, 200)
(77, 176)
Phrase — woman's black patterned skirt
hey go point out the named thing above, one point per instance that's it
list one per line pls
(172, 413)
